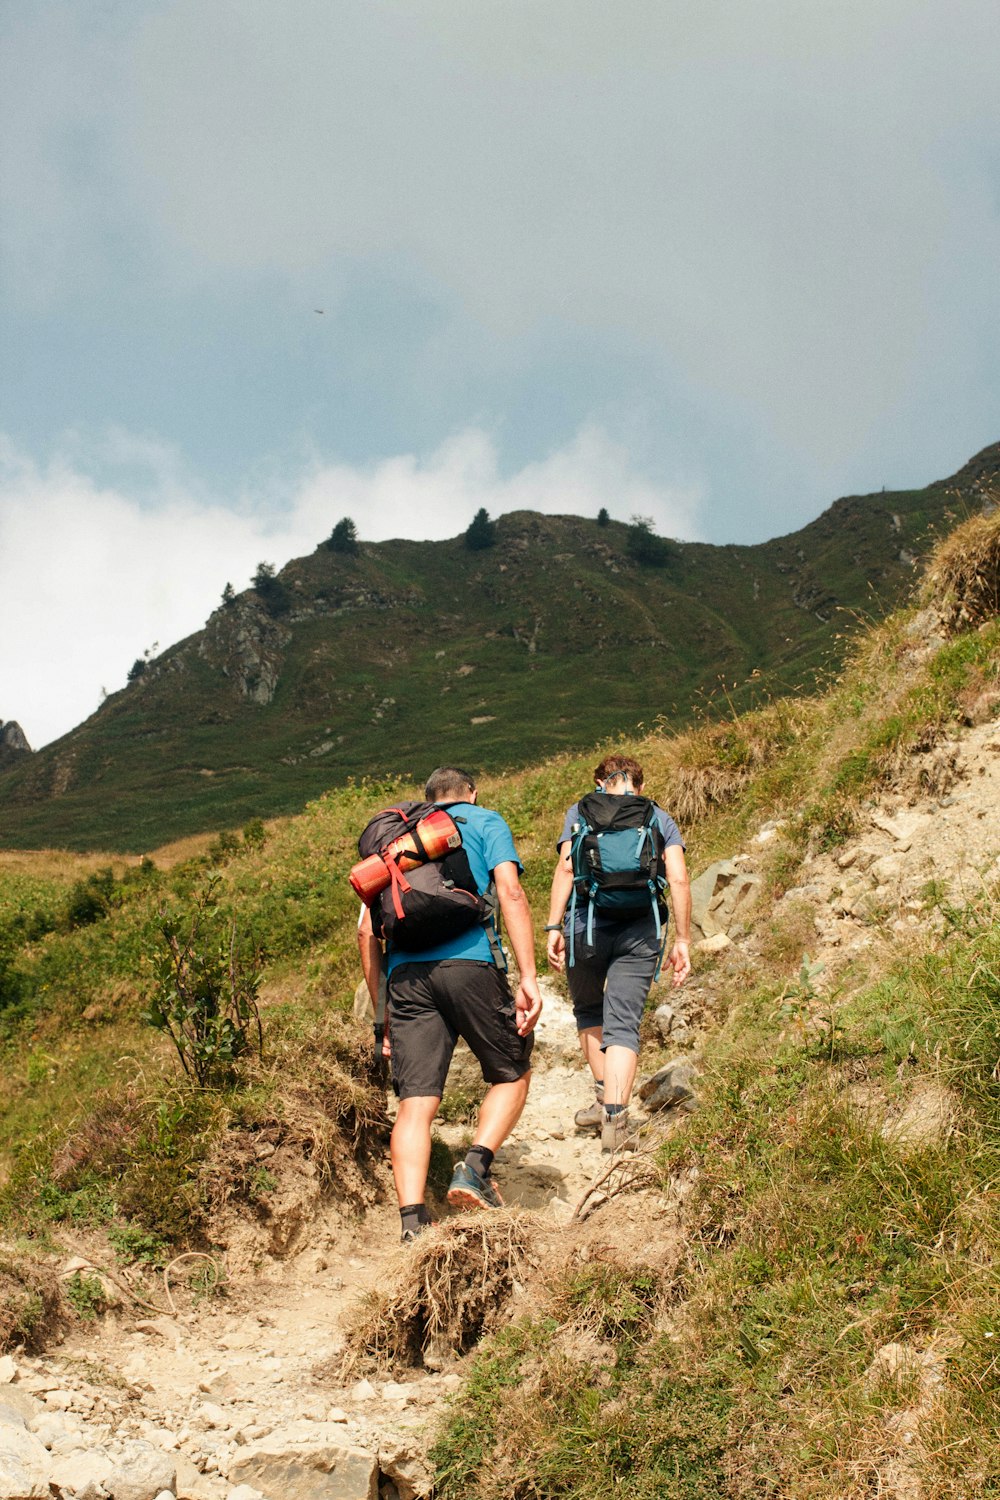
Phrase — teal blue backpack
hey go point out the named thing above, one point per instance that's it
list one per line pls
(618, 863)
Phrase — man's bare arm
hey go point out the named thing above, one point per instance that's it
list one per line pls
(517, 920)
(370, 950)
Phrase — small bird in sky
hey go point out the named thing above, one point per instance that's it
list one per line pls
(319, 310)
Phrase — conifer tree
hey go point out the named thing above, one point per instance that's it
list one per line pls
(344, 538)
(481, 532)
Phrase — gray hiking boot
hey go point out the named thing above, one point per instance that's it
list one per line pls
(615, 1132)
(591, 1117)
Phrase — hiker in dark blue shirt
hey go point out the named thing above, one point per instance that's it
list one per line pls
(459, 988)
(615, 950)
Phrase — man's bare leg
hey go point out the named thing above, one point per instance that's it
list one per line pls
(471, 1183)
(500, 1112)
(411, 1147)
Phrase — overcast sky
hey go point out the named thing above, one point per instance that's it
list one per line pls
(269, 262)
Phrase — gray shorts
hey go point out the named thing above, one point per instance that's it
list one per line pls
(609, 983)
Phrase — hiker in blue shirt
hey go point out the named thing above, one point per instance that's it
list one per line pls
(459, 988)
(615, 956)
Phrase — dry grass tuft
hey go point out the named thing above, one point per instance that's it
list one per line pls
(711, 767)
(963, 578)
(452, 1288)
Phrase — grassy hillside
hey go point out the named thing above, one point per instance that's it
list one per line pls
(383, 662)
(804, 1289)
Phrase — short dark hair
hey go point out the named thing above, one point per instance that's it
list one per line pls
(449, 782)
(622, 763)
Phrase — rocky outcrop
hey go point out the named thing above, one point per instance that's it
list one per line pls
(13, 743)
(719, 894)
(247, 644)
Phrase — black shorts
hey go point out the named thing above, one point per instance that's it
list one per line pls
(432, 1005)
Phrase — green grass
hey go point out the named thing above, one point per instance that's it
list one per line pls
(813, 1237)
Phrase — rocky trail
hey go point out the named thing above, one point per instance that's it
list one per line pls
(228, 1400)
(225, 1401)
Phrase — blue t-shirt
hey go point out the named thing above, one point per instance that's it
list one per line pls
(488, 842)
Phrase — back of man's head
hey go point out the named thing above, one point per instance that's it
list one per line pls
(449, 784)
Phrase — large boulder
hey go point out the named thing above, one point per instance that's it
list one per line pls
(307, 1461)
(141, 1472)
(24, 1463)
(718, 894)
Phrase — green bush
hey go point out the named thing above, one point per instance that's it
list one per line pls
(91, 899)
(205, 994)
(645, 547)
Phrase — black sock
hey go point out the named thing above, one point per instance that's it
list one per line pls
(413, 1216)
(480, 1159)
(613, 1109)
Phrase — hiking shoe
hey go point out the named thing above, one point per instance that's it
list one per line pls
(469, 1190)
(591, 1117)
(409, 1235)
(615, 1132)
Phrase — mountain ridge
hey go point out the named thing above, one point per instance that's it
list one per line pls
(376, 663)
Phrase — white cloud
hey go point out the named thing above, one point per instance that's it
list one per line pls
(92, 576)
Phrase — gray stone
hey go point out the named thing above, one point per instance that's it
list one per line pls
(47, 1427)
(141, 1472)
(21, 1402)
(8, 1370)
(714, 944)
(24, 1464)
(192, 1484)
(59, 1400)
(709, 884)
(81, 1466)
(670, 1086)
(733, 897)
(663, 1017)
(298, 1464)
(90, 1490)
(212, 1415)
(408, 1470)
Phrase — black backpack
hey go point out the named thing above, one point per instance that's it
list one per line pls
(618, 862)
(430, 903)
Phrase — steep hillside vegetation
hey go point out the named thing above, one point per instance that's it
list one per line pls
(372, 663)
(792, 1291)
